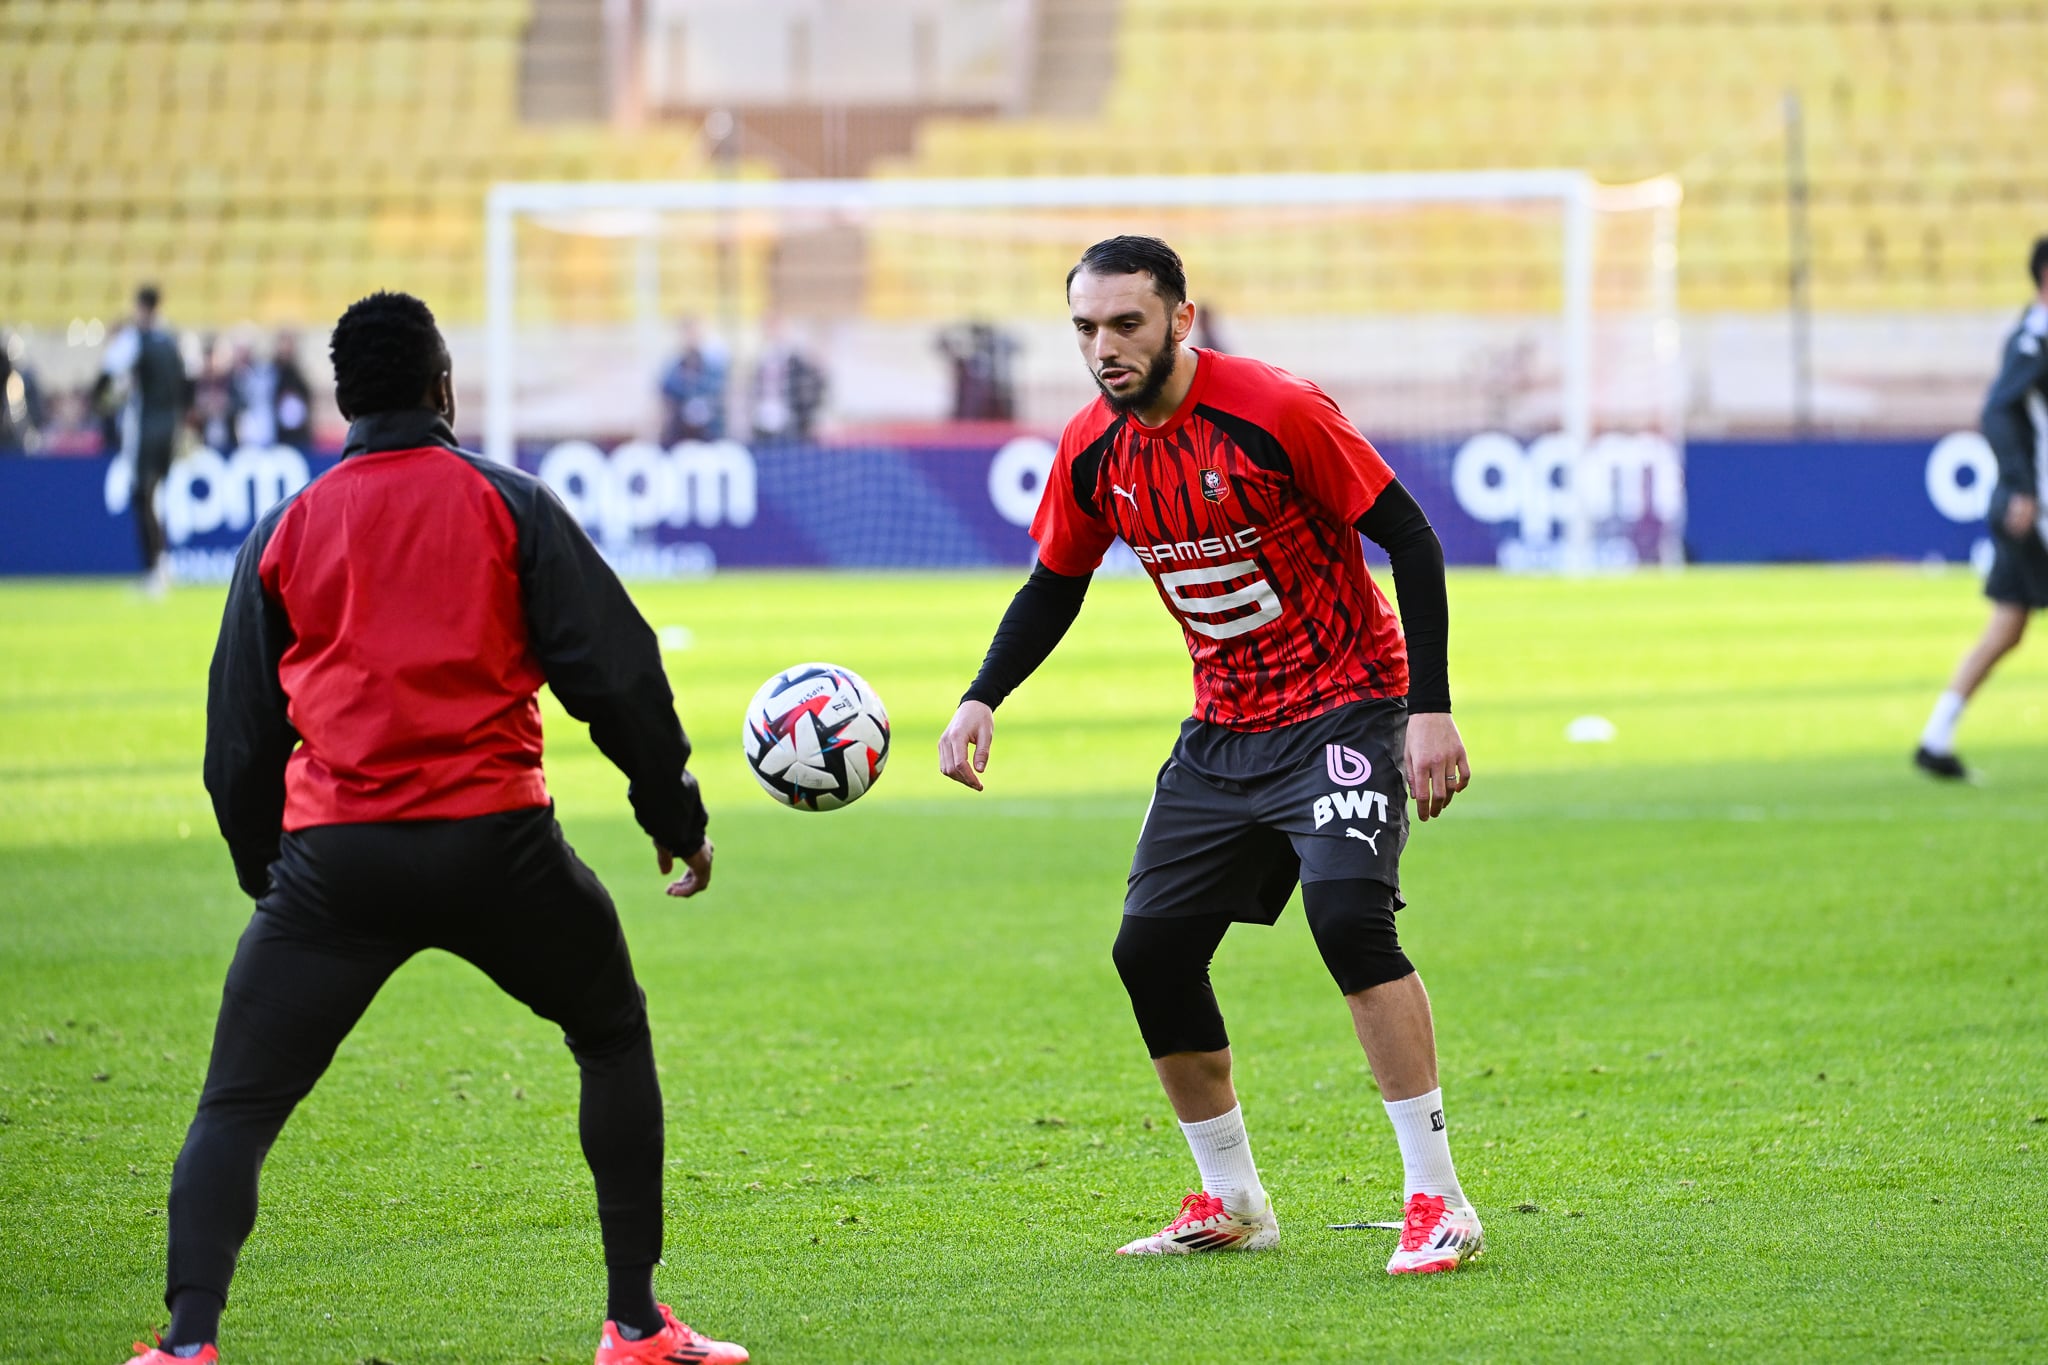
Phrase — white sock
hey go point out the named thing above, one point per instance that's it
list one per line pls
(1426, 1147)
(1940, 735)
(1223, 1154)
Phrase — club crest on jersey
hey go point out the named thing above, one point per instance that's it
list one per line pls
(1213, 486)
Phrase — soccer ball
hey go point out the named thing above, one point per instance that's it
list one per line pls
(816, 736)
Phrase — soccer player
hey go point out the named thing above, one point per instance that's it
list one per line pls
(2018, 582)
(373, 749)
(1243, 490)
(146, 356)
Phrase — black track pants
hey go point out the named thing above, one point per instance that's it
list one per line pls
(152, 467)
(348, 905)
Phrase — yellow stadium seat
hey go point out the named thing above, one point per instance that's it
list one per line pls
(321, 145)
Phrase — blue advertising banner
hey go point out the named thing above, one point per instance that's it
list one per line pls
(1755, 502)
(696, 507)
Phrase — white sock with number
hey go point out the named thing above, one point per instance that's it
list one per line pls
(1223, 1154)
(1940, 735)
(1426, 1147)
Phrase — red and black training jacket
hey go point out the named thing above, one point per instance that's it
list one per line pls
(386, 633)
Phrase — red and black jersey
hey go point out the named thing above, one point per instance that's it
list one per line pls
(1243, 508)
(386, 633)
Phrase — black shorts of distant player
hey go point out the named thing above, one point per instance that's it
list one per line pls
(2019, 563)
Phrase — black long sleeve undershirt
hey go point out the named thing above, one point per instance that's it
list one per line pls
(1037, 620)
(1397, 525)
(1045, 607)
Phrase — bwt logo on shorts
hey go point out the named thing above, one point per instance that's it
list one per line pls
(1347, 766)
(1353, 805)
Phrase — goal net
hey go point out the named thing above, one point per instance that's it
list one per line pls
(872, 373)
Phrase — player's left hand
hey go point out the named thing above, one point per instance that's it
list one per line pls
(1435, 763)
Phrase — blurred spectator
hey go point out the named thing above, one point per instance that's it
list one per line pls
(693, 390)
(294, 396)
(788, 389)
(984, 388)
(1208, 335)
(145, 358)
(213, 399)
(70, 426)
(21, 400)
(253, 381)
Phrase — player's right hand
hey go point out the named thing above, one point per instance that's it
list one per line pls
(963, 748)
(696, 870)
(2020, 513)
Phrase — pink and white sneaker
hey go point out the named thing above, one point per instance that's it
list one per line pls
(677, 1343)
(1205, 1225)
(1435, 1236)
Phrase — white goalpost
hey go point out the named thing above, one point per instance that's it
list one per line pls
(1533, 306)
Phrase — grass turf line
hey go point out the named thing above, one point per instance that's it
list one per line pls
(1751, 1014)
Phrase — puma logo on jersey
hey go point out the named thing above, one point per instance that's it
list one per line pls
(1373, 839)
(1126, 494)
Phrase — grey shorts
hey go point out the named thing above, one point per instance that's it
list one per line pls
(1239, 817)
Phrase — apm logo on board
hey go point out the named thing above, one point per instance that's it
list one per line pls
(1624, 479)
(629, 498)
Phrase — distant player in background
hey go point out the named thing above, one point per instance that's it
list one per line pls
(373, 749)
(2015, 422)
(1243, 491)
(145, 356)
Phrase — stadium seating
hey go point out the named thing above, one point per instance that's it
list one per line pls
(1917, 119)
(265, 159)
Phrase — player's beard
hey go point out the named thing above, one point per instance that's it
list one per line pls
(1157, 371)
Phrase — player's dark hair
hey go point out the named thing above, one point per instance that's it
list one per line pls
(2037, 262)
(1133, 256)
(387, 354)
(147, 298)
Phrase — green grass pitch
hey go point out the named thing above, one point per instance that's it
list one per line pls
(1744, 1027)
